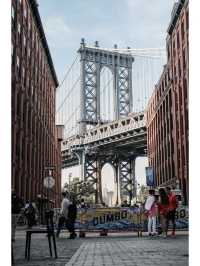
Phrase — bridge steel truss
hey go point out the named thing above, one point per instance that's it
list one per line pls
(117, 143)
(92, 60)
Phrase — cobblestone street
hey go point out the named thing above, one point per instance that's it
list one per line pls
(116, 249)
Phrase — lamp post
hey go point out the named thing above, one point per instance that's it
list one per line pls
(49, 182)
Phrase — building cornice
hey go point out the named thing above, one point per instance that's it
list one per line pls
(175, 15)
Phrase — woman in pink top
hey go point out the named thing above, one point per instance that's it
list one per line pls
(150, 207)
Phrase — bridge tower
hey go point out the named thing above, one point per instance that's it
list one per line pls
(92, 60)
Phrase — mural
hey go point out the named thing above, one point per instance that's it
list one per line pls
(126, 218)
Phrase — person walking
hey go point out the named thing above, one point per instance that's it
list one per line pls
(150, 208)
(173, 204)
(71, 218)
(163, 209)
(30, 214)
(16, 207)
(64, 212)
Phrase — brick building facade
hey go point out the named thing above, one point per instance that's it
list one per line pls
(35, 142)
(167, 113)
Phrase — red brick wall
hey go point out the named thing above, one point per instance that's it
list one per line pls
(168, 111)
(34, 142)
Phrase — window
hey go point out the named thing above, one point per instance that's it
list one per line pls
(182, 30)
(23, 74)
(25, 11)
(185, 89)
(12, 48)
(187, 20)
(179, 68)
(36, 44)
(174, 50)
(17, 61)
(29, 52)
(18, 104)
(19, 28)
(183, 56)
(32, 89)
(168, 52)
(180, 95)
(178, 42)
(29, 25)
(13, 12)
(24, 41)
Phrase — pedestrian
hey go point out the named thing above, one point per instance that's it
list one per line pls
(30, 214)
(17, 205)
(173, 204)
(71, 217)
(150, 208)
(163, 209)
(64, 212)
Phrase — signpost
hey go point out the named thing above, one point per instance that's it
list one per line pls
(49, 181)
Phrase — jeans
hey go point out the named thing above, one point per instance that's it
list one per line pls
(152, 225)
(171, 217)
(69, 224)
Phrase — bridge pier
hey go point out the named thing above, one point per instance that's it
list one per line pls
(127, 178)
(93, 175)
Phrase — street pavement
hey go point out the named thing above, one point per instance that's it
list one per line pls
(116, 249)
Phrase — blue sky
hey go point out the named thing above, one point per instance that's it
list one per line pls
(134, 23)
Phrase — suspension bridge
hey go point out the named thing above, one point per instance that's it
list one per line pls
(101, 102)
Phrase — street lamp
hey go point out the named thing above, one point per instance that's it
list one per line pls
(49, 182)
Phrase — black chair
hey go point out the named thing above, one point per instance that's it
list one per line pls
(49, 230)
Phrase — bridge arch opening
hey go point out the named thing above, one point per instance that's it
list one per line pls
(109, 185)
(106, 95)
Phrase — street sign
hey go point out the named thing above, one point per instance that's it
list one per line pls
(150, 176)
(49, 182)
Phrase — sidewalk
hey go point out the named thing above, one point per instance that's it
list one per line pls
(116, 249)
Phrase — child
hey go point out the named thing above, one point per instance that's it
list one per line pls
(150, 207)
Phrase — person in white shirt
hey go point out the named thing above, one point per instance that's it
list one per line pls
(150, 207)
(64, 212)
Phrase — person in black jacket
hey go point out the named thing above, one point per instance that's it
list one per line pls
(72, 214)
